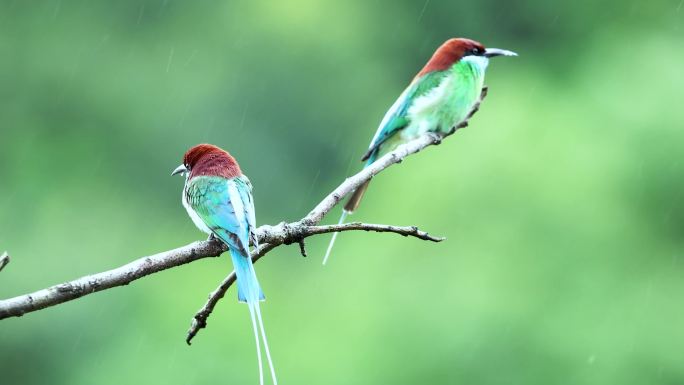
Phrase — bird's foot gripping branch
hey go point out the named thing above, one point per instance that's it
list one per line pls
(269, 238)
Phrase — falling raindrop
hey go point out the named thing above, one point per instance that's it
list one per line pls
(168, 64)
(59, 6)
(192, 56)
(140, 14)
(422, 11)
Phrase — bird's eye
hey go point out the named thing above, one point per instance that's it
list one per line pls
(476, 51)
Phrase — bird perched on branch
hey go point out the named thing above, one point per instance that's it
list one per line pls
(438, 98)
(218, 198)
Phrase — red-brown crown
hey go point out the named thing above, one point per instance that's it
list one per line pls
(449, 53)
(209, 160)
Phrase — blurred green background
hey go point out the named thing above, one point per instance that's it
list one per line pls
(563, 202)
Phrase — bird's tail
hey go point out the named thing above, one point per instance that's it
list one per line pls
(250, 292)
(351, 205)
(332, 241)
(355, 200)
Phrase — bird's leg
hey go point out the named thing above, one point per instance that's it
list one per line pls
(212, 238)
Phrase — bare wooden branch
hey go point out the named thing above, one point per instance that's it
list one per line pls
(407, 231)
(199, 321)
(396, 156)
(329, 202)
(269, 237)
(294, 232)
(4, 260)
(54, 295)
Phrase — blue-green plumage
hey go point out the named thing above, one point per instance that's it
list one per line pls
(436, 101)
(218, 198)
(225, 207)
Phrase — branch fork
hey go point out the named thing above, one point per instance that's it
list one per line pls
(269, 238)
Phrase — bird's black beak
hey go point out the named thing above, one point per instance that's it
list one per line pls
(492, 52)
(179, 170)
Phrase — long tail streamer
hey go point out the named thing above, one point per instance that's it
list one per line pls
(256, 337)
(332, 241)
(268, 352)
(250, 292)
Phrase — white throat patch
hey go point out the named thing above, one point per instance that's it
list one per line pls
(480, 62)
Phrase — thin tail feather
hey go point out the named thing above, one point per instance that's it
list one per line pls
(332, 241)
(249, 291)
(355, 199)
(268, 352)
(256, 337)
(350, 207)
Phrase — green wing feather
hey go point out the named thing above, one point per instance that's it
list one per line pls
(229, 216)
(396, 117)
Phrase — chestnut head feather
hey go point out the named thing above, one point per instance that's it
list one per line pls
(450, 52)
(209, 160)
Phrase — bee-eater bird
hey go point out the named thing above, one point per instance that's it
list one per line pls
(218, 198)
(438, 98)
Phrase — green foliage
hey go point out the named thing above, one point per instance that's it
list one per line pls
(563, 201)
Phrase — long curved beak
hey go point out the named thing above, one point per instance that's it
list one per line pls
(179, 170)
(491, 52)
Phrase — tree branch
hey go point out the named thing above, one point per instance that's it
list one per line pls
(396, 156)
(54, 295)
(4, 260)
(269, 237)
(199, 321)
(314, 217)
(401, 230)
(286, 233)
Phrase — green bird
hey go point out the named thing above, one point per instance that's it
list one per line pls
(440, 97)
